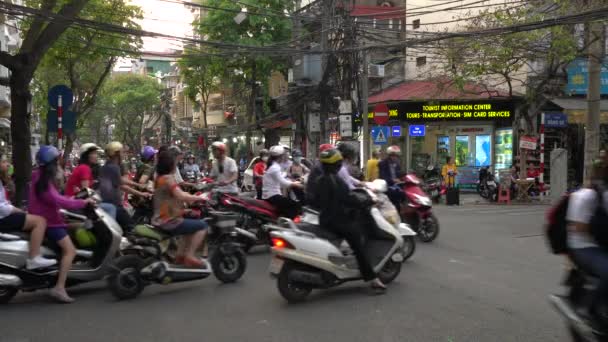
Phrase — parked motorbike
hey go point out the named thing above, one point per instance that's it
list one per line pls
(574, 307)
(91, 263)
(486, 187)
(306, 257)
(432, 183)
(416, 209)
(145, 259)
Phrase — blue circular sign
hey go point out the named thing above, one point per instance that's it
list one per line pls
(67, 97)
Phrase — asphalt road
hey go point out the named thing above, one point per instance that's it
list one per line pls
(486, 278)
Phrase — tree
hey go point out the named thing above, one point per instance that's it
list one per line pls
(39, 35)
(260, 30)
(132, 103)
(83, 59)
(201, 74)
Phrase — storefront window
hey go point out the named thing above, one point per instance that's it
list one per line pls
(462, 150)
(482, 150)
(443, 148)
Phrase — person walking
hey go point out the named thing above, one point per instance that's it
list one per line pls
(372, 172)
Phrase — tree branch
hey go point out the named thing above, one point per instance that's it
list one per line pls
(93, 96)
(36, 26)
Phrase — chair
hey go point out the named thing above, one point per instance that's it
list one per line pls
(504, 191)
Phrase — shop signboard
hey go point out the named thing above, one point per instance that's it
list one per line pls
(454, 111)
(527, 143)
(417, 130)
(467, 178)
(556, 120)
(578, 77)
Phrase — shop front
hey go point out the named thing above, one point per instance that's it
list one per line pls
(476, 133)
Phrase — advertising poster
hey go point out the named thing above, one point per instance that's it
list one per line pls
(483, 150)
(503, 149)
(462, 150)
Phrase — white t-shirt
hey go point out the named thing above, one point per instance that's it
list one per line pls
(6, 208)
(581, 207)
(229, 170)
(273, 181)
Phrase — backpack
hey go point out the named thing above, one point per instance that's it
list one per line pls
(556, 228)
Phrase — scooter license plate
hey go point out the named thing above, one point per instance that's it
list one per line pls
(276, 265)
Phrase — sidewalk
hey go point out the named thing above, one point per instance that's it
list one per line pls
(469, 198)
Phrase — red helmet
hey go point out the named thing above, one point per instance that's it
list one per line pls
(393, 150)
(325, 147)
(218, 145)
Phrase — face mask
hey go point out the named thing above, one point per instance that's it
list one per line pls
(264, 159)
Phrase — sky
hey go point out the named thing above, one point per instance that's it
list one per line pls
(164, 17)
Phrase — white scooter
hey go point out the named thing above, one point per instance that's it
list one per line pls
(306, 257)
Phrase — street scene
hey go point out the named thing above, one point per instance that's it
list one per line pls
(303, 170)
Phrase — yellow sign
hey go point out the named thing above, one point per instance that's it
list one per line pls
(459, 111)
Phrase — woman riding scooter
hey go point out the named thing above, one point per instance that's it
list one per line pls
(332, 196)
(274, 181)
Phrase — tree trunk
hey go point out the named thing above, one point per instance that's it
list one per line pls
(69, 144)
(21, 98)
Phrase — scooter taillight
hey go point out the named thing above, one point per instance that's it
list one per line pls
(281, 243)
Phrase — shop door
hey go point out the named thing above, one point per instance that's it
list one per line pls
(472, 150)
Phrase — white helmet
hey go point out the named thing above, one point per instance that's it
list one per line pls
(393, 150)
(218, 145)
(276, 151)
(84, 148)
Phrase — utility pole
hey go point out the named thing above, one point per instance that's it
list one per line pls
(596, 42)
(364, 97)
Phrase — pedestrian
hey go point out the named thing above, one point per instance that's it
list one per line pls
(372, 172)
(258, 172)
(449, 172)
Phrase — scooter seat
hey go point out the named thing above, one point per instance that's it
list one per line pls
(318, 231)
(257, 203)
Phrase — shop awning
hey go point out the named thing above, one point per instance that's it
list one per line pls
(578, 104)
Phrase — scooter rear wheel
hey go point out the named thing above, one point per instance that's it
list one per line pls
(292, 292)
(429, 229)
(7, 293)
(125, 281)
(390, 271)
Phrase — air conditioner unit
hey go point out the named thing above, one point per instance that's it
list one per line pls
(376, 70)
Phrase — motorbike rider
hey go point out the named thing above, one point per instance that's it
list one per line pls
(224, 169)
(390, 170)
(337, 212)
(584, 249)
(83, 175)
(258, 172)
(273, 182)
(169, 210)
(297, 171)
(14, 219)
(348, 157)
(145, 171)
(44, 200)
(315, 172)
(111, 182)
(191, 165)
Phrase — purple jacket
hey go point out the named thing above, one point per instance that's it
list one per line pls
(48, 203)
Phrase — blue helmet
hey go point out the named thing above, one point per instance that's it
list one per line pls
(47, 154)
(148, 153)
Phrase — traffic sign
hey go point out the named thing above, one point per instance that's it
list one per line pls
(381, 114)
(417, 130)
(67, 97)
(68, 120)
(396, 131)
(380, 135)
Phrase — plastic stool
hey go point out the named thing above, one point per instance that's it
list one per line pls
(504, 195)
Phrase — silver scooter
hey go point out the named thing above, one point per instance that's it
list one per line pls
(90, 264)
(306, 257)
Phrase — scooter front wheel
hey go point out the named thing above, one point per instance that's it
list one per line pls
(228, 267)
(7, 293)
(409, 247)
(429, 229)
(390, 271)
(125, 281)
(292, 292)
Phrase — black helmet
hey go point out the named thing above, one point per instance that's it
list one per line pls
(347, 151)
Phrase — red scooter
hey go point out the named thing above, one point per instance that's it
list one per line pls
(416, 209)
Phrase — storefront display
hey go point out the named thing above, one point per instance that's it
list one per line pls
(462, 150)
(483, 153)
(503, 149)
(443, 148)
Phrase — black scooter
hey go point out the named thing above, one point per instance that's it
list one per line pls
(486, 187)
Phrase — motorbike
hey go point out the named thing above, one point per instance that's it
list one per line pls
(432, 183)
(574, 305)
(306, 257)
(92, 263)
(416, 209)
(486, 187)
(145, 259)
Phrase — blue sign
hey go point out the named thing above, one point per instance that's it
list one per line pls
(67, 97)
(68, 121)
(396, 131)
(578, 77)
(417, 130)
(380, 135)
(556, 120)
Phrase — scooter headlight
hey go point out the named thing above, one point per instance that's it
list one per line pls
(424, 200)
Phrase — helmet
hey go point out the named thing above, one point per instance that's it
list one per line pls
(175, 150)
(325, 147)
(113, 148)
(47, 154)
(263, 152)
(218, 145)
(88, 147)
(330, 157)
(277, 150)
(148, 152)
(347, 151)
(393, 150)
(296, 153)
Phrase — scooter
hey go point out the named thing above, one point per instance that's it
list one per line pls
(416, 209)
(145, 259)
(91, 264)
(432, 183)
(306, 257)
(574, 305)
(486, 187)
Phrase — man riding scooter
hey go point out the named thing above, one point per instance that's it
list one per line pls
(390, 170)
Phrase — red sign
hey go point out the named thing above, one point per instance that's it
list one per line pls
(381, 114)
(527, 143)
